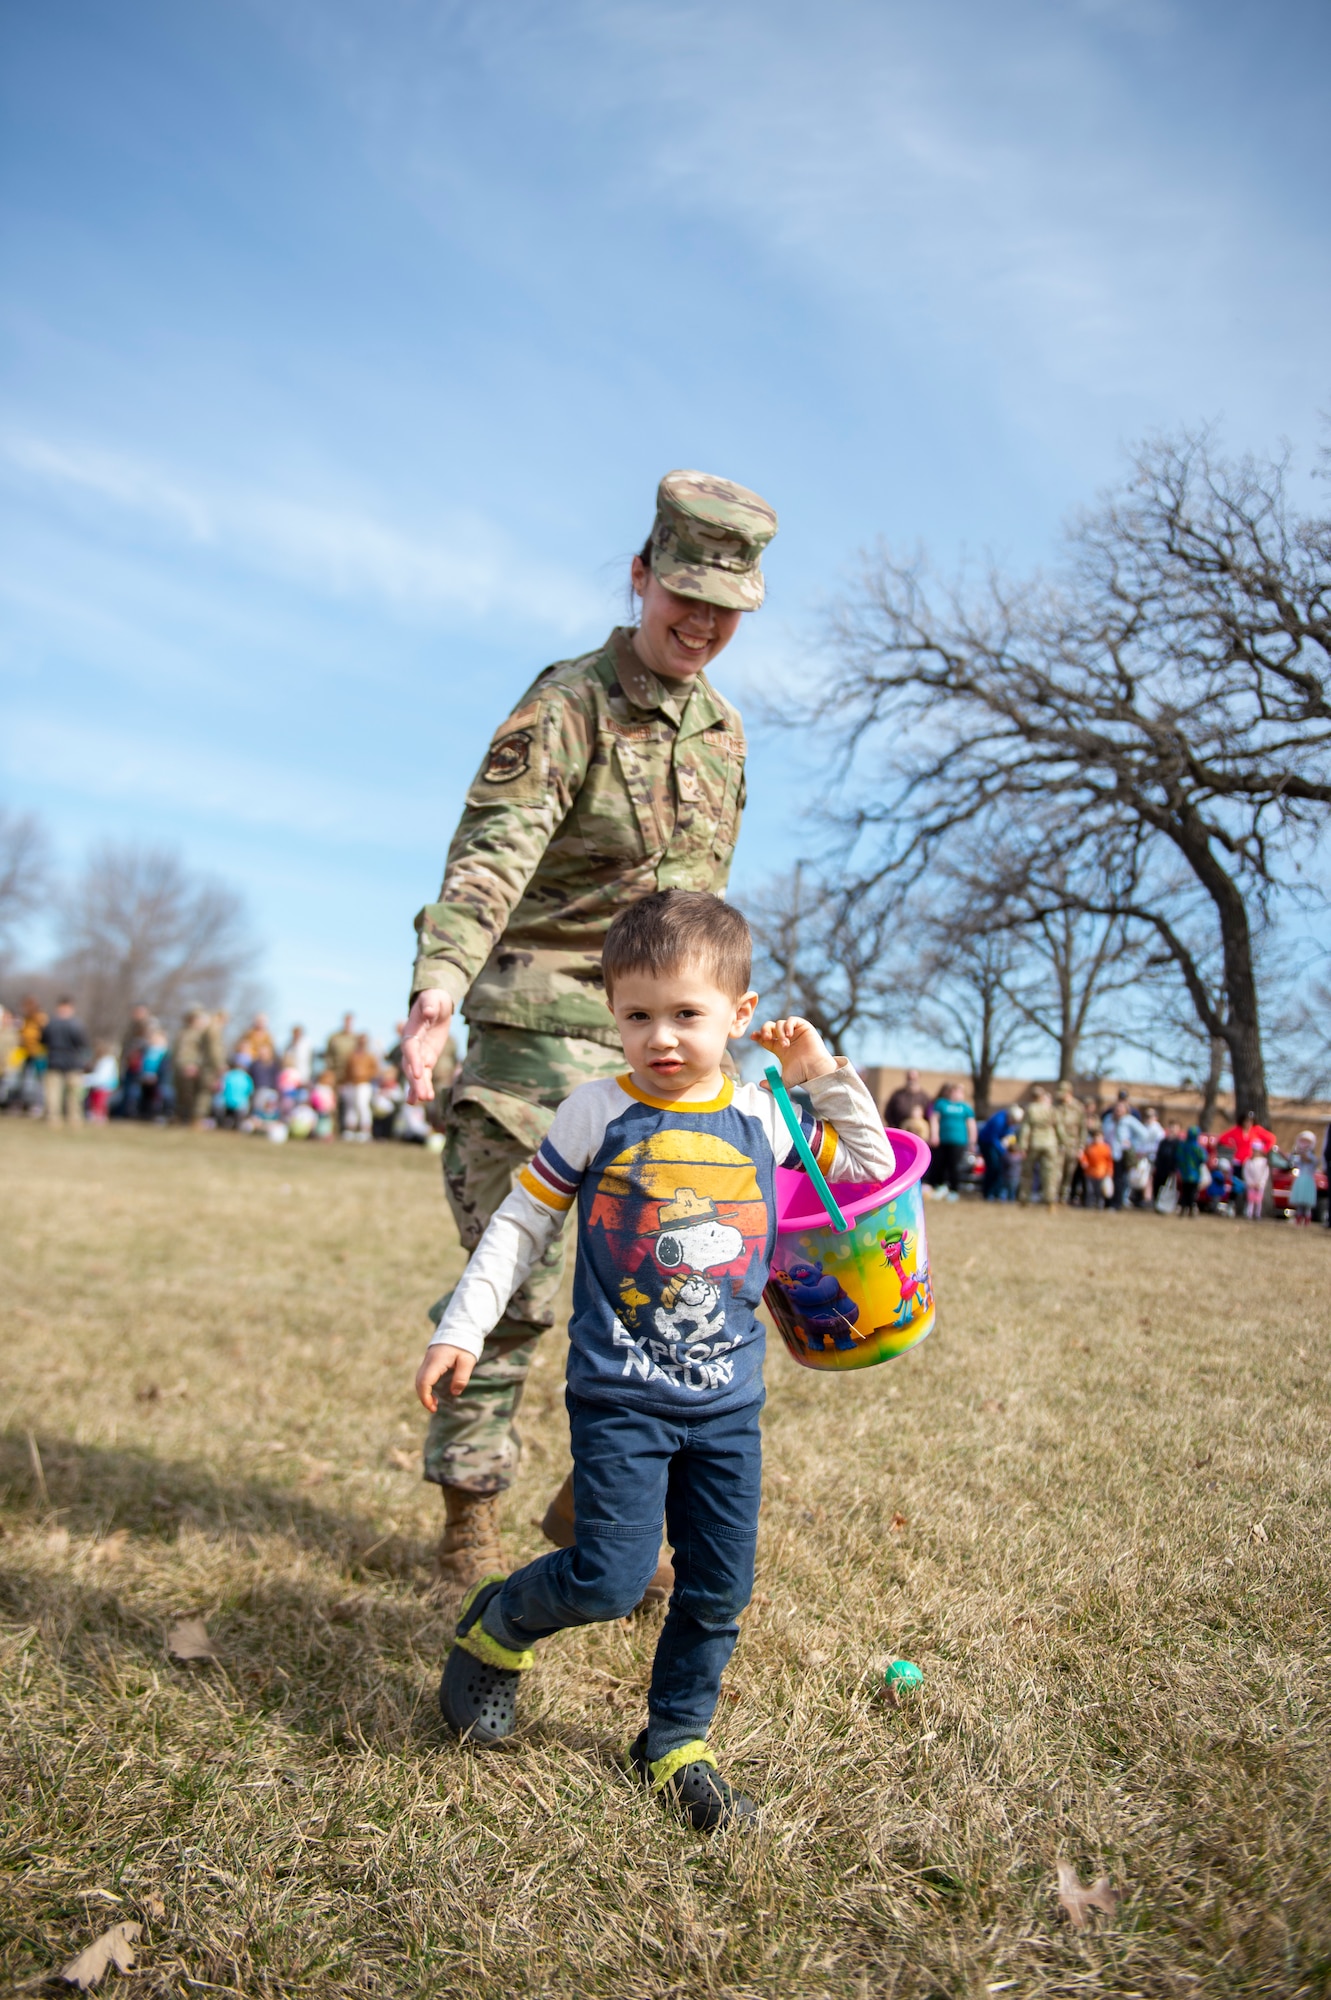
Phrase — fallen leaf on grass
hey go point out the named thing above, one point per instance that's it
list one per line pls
(113, 1947)
(100, 1895)
(899, 1521)
(1077, 1901)
(1259, 1533)
(405, 1461)
(152, 1393)
(316, 1471)
(111, 1547)
(155, 1907)
(189, 1641)
(991, 1403)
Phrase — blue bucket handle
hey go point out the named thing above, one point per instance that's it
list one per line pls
(803, 1148)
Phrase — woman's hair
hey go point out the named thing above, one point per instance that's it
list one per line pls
(672, 928)
(644, 556)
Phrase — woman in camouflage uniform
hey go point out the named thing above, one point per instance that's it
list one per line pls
(616, 774)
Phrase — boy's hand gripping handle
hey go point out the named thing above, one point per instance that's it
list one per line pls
(803, 1148)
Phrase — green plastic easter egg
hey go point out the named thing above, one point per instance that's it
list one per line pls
(902, 1674)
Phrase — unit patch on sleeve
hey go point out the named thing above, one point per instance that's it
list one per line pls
(509, 757)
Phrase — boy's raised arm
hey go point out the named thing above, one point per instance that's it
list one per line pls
(863, 1151)
(852, 1145)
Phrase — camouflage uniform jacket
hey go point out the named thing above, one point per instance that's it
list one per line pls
(1070, 1124)
(1039, 1129)
(188, 1051)
(212, 1050)
(603, 784)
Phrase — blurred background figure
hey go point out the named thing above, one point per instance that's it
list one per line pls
(67, 1050)
(133, 1043)
(993, 1137)
(1042, 1155)
(100, 1083)
(11, 1057)
(186, 1060)
(213, 1064)
(32, 1050)
(909, 1107)
(1070, 1128)
(1190, 1161)
(153, 1070)
(1303, 1188)
(356, 1091)
(298, 1057)
(1256, 1174)
(1097, 1165)
(952, 1135)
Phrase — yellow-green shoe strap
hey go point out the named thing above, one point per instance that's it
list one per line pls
(481, 1646)
(478, 1642)
(664, 1769)
(495, 1576)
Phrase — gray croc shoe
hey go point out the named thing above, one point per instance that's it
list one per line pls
(478, 1692)
(688, 1781)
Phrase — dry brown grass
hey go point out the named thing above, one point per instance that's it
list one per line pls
(1112, 1464)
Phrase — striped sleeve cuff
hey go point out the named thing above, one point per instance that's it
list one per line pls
(549, 1179)
(822, 1140)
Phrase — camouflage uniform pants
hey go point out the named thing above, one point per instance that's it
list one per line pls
(1050, 1162)
(510, 1085)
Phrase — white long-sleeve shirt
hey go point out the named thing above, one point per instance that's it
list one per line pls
(676, 1224)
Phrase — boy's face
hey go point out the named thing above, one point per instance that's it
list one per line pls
(675, 1028)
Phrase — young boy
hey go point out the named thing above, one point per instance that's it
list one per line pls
(671, 1169)
(1097, 1163)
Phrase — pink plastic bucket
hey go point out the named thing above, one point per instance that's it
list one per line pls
(851, 1298)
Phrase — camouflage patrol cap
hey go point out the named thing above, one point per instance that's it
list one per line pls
(708, 539)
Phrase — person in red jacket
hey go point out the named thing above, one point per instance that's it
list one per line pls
(1241, 1138)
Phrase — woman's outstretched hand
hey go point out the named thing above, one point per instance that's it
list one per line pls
(797, 1046)
(423, 1042)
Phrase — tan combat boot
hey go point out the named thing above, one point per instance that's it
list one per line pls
(557, 1527)
(469, 1547)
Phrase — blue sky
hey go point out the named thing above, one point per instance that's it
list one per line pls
(342, 343)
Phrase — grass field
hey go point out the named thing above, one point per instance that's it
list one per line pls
(1093, 1507)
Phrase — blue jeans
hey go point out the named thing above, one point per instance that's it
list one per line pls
(704, 1475)
(995, 1174)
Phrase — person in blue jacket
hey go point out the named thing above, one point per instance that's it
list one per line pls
(993, 1150)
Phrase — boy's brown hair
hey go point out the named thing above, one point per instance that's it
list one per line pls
(677, 927)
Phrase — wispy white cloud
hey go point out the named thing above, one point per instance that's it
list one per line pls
(461, 566)
(992, 184)
(215, 782)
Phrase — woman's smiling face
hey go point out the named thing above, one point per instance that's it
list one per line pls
(677, 636)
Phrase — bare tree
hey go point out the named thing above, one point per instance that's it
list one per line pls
(1305, 1034)
(1069, 960)
(25, 872)
(963, 973)
(140, 926)
(1176, 682)
(824, 950)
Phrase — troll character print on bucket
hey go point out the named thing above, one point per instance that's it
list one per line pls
(848, 1299)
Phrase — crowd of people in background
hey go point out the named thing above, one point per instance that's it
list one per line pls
(206, 1077)
(1053, 1147)
(1056, 1147)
